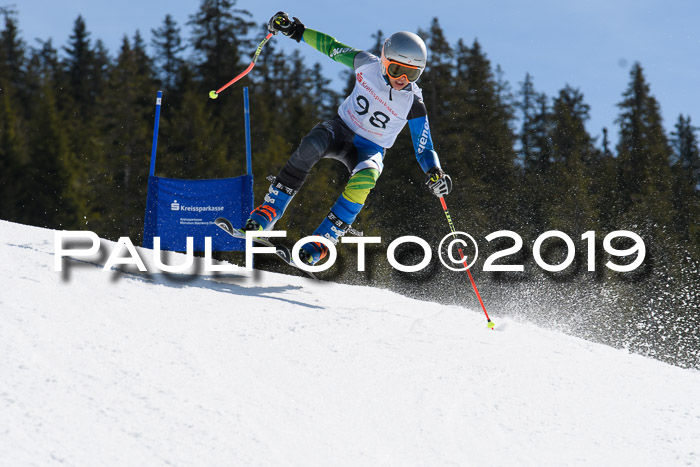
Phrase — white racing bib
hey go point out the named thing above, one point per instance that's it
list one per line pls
(374, 110)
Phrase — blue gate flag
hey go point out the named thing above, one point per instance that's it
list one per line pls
(180, 208)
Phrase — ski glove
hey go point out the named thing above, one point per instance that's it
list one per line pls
(280, 22)
(438, 182)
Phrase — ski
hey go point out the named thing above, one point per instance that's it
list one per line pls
(282, 251)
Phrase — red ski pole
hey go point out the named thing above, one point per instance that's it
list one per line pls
(215, 94)
(464, 260)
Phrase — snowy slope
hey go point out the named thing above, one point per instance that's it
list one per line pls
(111, 368)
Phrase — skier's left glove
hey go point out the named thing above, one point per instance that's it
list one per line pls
(280, 22)
(438, 182)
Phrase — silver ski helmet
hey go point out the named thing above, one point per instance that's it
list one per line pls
(404, 53)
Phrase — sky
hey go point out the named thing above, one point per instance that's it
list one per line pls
(587, 44)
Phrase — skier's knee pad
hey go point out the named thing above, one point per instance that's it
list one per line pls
(360, 185)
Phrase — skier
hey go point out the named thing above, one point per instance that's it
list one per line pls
(384, 98)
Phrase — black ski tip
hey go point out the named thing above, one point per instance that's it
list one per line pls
(224, 223)
(286, 256)
(284, 253)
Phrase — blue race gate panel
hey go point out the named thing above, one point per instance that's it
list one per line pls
(179, 208)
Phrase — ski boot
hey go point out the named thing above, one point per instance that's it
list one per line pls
(276, 201)
(334, 226)
(312, 252)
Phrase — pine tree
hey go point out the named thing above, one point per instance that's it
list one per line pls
(190, 146)
(571, 205)
(83, 79)
(437, 80)
(219, 39)
(168, 47)
(324, 99)
(644, 179)
(13, 147)
(485, 152)
(218, 34)
(53, 196)
(528, 109)
(101, 67)
(686, 178)
(13, 155)
(12, 53)
(271, 148)
(645, 206)
(534, 156)
(124, 125)
(604, 176)
(643, 199)
(44, 65)
(79, 64)
(541, 136)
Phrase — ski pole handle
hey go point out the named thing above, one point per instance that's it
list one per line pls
(447, 214)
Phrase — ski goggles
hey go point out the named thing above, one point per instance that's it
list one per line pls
(397, 70)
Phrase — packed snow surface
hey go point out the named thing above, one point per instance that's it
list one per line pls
(120, 368)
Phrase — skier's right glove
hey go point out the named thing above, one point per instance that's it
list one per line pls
(280, 22)
(438, 182)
